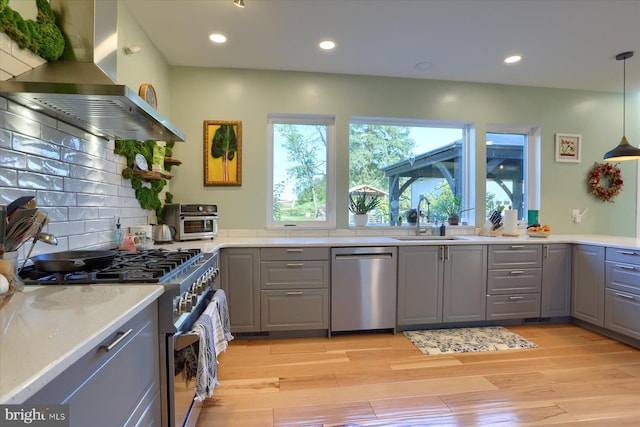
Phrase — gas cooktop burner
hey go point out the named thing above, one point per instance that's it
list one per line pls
(149, 266)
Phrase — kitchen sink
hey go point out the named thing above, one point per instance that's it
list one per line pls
(428, 238)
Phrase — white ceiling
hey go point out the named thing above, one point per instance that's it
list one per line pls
(564, 43)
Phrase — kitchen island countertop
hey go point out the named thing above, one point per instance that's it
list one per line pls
(45, 329)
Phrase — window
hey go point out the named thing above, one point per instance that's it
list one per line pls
(512, 170)
(301, 179)
(400, 160)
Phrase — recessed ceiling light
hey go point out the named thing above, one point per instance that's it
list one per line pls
(327, 45)
(512, 59)
(217, 38)
(239, 3)
(424, 65)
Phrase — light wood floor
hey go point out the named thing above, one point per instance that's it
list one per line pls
(574, 378)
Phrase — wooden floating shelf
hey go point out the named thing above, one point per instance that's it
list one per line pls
(171, 161)
(151, 175)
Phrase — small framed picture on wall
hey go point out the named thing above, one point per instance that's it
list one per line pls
(568, 147)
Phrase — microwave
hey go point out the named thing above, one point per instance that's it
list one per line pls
(191, 221)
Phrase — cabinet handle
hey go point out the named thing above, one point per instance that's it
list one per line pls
(446, 252)
(625, 296)
(297, 250)
(298, 264)
(441, 252)
(625, 267)
(295, 293)
(517, 271)
(516, 246)
(546, 251)
(120, 336)
(627, 253)
(515, 298)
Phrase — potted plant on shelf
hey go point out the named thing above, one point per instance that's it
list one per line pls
(360, 204)
(453, 209)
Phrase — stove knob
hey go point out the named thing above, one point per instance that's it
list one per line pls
(184, 306)
(195, 288)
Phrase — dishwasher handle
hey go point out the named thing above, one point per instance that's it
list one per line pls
(347, 256)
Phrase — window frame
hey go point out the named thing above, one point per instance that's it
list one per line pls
(533, 164)
(304, 119)
(468, 160)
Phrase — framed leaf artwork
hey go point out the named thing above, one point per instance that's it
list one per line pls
(222, 152)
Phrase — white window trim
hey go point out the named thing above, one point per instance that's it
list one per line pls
(468, 169)
(305, 119)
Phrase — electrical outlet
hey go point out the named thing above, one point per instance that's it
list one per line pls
(576, 216)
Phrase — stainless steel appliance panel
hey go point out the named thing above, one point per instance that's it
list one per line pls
(363, 288)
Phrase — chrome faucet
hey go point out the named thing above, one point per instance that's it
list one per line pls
(418, 230)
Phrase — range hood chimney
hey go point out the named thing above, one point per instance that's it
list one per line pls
(81, 88)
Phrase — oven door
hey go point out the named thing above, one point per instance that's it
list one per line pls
(198, 227)
(185, 408)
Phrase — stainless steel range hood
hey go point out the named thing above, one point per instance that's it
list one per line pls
(81, 88)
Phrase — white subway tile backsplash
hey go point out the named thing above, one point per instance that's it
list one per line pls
(30, 145)
(67, 228)
(55, 198)
(8, 194)
(8, 177)
(83, 186)
(5, 138)
(47, 166)
(24, 125)
(85, 240)
(12, 159)
(77, 213)
(55, 214)
(39, 181)
(74, 176)
(97, 225)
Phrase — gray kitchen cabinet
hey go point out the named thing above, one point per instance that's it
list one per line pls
(465, 283)
(420, 284)
(294, 288)
(556, 280)
(240, 279)
(514, 281)
(622, 294)
(587, 284)
(115, 387)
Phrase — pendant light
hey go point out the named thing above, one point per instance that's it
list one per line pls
(624, 150)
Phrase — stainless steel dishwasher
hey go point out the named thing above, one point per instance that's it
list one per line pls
(363, 288)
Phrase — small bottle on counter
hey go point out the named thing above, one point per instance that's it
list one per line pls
(443, 230)
(118, 234)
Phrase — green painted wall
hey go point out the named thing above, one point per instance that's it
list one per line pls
(199, 94)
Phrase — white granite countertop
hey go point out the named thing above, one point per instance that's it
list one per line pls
(45, 329)
(385, 240)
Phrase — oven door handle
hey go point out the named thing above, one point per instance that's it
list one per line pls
(183, 340)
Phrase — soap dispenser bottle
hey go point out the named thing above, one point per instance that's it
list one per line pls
(118, 234)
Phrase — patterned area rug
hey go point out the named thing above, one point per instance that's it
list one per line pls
(467, 340)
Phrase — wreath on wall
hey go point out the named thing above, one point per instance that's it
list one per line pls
(605, 181)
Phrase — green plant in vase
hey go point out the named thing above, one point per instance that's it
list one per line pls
(360, 204)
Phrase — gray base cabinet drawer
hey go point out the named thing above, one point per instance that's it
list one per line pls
(630, 256)
(295, 309)
(120, 387)
(622, 313)
(294, 274)
(515, 256)
(623, 277)
(293, 254)
(522, 306)
(514, 281)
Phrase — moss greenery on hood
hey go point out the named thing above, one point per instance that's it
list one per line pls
(42, 36)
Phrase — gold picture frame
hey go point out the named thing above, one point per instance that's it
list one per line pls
(222, 152)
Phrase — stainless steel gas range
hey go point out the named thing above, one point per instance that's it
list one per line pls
(190, 279)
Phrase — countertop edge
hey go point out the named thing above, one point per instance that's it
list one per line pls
(38, 379)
